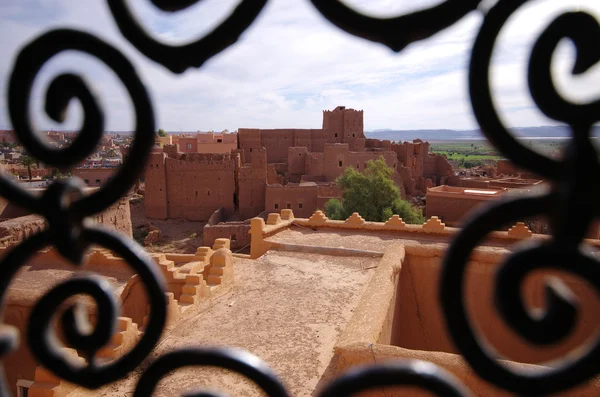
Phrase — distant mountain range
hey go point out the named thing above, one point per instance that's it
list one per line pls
(559, 132)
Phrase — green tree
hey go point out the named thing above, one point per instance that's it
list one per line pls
(28, 162)
(373, 194)
(161, 133)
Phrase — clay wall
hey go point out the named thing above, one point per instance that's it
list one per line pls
(216, 142)
(339, 125)
(249, 140)
(395, 320)
(507, 167)
(161, 141)
(453, 204)
(277, 143)
(155, 199)
(216, 147)
(357, 144)
(117, 217)
(188, 144)
(337, 157)
(353, 124)
(215, 218)
(172, 151)
(314, 164)
(23, 174)
(13, 231)
(474, 183)
(94, 176)
(302, 199)
(296, 160)
(416, 331)
(8, 136)
(333, 122)
(252, 182)
(303, 138)
(198, 184)
(237, 232)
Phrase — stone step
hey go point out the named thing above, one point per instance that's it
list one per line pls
(188, 299)
(189, 289)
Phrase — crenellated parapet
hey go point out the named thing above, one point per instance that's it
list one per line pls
(277, 222)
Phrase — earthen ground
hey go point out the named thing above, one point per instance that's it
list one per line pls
(177, 235)
(287, 308)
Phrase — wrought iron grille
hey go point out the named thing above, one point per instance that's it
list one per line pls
(66, 207)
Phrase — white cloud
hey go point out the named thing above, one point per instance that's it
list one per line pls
(292, 63)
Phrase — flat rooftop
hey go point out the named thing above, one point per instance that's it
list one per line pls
(287, 308)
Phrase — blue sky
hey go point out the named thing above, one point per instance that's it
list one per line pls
(291, 64)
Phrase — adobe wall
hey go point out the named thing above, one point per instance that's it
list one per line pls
(339, 125)
(237, 232)
(94, 176)
(197, 184)
(252, 181)
(188, 144)
(302, 199)
(507, 167)
(155, 197)
(453, 207)
(13, 231)
(23, 174)
(337, 157)
(117, 217)
(416, 331)
(296, 160)
(343, 124)
(437, 168)
(392, 310)
(216, 147)
(172, 151)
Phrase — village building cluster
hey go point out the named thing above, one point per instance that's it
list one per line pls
(335, 293)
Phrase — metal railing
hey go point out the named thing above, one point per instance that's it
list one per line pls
(66, 207)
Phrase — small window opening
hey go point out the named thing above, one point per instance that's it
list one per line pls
(196, 193)
(289, 206)
(208, 193)
(300, 205)
(97, 180)
(336, 134)
(233, 238)
(86, 180)
(219, 140)
(340, 163)
(276, 206)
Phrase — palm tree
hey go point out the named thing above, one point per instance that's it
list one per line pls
(28, 162)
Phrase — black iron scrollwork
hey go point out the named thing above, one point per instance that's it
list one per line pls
(66, 206)
(178, 58)
(397, 32)
(569, 197)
